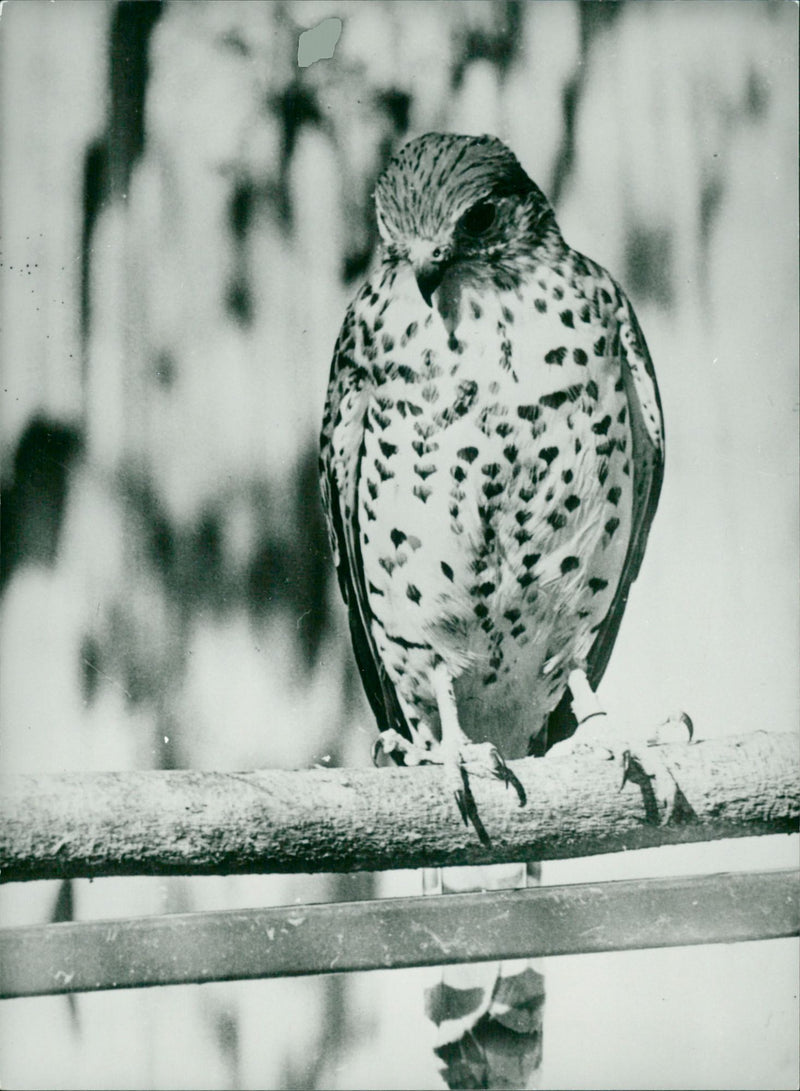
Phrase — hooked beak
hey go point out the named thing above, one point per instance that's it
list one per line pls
(429, 276)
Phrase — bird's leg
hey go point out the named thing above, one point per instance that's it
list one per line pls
(465, 757)
(634, 749)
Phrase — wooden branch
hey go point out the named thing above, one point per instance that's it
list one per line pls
(387, 933)
(193, 823)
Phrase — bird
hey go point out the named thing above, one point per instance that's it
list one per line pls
(491, 458)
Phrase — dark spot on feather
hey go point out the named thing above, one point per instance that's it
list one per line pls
(540, 305)
(569, 564)
(596, 584)
(622, 414)
(492, 488)
(557, 520)
(373, 590)
(528, 412)
(377, 325)
(475, 308)
(606, 448)
(599, 346)
(387, 449)
(448, 571)
(602, 472)
(611, 526)
(411, 329)
(591, 389)
(517, 630)
(407, 374)
(387, 342)
(491, 469)
(424, 471)
(508, 315)
(512, 615)
(614, 494)
(523, 517)
(566, 318)
(458, 472)
(526, 495)
(510, 452)
(549, 453)
(387, 563)
(486, 589)
(526, 579)
(556, 356)
(422, 492)
(571, 393)
(530, 559)
(469, 454)
(481, 610)
(619, 384)
(489, 679)
(554, 400)
(580, 357)
(572, 502)
(566, 477)
(601, 427)
(558, 292)
(385, 474)
(397, 536)
(585, 313)
(413, 593)
(372, 489)
(523, 536)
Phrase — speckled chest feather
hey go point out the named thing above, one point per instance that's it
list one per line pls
(493, 487)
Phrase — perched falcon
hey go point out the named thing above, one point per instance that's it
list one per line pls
(491, 460)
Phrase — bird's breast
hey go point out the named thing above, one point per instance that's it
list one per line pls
(495, 492)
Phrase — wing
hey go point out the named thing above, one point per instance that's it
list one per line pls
(647, 462)
(647, 467)
(341, 457)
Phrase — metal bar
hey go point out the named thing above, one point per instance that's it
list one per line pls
(312, 939)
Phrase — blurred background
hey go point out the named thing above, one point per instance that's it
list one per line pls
(184, 215)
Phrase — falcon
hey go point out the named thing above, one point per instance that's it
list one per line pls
(491, 459)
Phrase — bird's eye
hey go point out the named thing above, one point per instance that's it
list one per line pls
(437, 253)
(478, 219)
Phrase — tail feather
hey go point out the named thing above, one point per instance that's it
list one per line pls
(488, 1014)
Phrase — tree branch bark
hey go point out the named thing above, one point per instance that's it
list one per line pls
(197, 823)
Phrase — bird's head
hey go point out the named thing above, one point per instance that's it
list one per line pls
(447, 201)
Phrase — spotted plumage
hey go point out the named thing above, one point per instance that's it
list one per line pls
(491, 452)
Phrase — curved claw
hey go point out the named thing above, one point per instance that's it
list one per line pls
(508, 777)
(468, 808)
